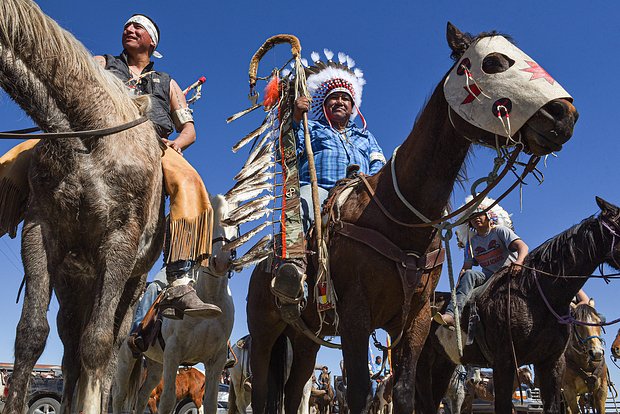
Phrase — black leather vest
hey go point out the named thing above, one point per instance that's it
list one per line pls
(156, 84)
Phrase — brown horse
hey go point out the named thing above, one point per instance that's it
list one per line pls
(323, 398)
(94, 221)
(481, 387)
(615, 346)
(190, 383)
(530, 300)
(586, 370)
(428, 164)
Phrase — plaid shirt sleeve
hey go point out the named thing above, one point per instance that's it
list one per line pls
(376, 158)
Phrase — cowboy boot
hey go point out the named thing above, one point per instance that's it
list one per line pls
(287, 283)
(136, 344)
(180, 298)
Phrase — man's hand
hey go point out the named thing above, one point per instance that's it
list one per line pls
(173, 144)
(302, 104)
(516, 269)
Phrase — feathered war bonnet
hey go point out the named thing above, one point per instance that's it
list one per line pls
(497, 215)
(325, 78)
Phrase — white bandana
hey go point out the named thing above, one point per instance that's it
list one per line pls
(149, 27)
(520, 91)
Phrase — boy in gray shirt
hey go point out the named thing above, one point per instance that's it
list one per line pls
(491, 248)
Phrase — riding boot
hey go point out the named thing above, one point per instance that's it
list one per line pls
(180, 296)
(287, 283)
(136, 344)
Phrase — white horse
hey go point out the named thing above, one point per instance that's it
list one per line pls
(384, 395)
(240, 398)
(190, 340)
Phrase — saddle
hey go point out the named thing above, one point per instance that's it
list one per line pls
(149, 329)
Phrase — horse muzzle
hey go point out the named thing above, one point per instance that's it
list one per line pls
(550, 127)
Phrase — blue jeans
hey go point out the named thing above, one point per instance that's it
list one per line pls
(150, 294)
(470, 280)
(307, 212)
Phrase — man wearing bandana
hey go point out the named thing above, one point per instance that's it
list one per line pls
(339, 146)
(190, 225)
(168, 110)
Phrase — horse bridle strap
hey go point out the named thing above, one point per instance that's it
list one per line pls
(24, 133)
(410, 265)
(480, 196)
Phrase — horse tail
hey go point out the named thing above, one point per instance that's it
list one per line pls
(277, 374)
(135, 381)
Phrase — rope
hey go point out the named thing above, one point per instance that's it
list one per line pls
(75, 134)
(457, 317)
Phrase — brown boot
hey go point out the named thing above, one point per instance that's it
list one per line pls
(288, 281)
(136, 344)
(183, 298)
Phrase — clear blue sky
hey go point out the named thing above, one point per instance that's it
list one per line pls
(402, 49)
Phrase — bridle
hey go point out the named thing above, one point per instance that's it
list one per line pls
(233, 253)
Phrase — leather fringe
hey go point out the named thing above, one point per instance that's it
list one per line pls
(191, 238)
(12, 207)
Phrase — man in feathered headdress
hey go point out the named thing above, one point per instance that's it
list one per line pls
(490, 243)
(337, 142)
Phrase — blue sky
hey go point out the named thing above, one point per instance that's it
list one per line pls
(402, 49)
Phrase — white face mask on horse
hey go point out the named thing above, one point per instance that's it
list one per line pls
(500, 103)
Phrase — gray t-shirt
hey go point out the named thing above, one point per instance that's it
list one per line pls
(491, 251)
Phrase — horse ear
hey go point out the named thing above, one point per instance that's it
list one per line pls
(607, 208)
(591, 303)
(457, 40)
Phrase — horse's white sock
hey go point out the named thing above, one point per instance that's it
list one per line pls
(181, 281)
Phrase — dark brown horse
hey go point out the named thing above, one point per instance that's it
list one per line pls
(586, 370)
(537, 336)
(428, 164)
(94, 221)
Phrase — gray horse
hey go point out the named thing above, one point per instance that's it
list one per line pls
(94, 221)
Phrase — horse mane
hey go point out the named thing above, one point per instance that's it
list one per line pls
(584, 312)
(61, 49)
(564, 249)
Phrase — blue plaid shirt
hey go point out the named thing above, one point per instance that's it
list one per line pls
(333, 153)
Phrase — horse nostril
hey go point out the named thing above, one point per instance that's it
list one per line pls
(556, 108)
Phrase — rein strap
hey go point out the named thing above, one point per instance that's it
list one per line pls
(24, 133)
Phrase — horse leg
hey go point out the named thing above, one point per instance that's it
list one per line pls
(153, 376)
(407, 357)
(32, 329)
(124, 380)
(302, 365)
(503, 380)
(355, 353)
(550, 374)
(99, 334)
(213, 370)
(123, 320)
(168, 397)
(600, 393)
(265, 327)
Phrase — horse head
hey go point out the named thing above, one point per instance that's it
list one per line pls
(499, 96)
(610, 219)
(615, 346)
(221, 259)
(525, 376)
(588, 338)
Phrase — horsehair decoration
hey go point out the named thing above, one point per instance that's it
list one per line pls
(500, 103)
(497, 215)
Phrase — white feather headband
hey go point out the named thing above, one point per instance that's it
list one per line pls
(497, 215)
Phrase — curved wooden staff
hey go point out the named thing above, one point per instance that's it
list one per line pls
(301, 82)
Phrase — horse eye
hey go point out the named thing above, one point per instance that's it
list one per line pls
(496, 63)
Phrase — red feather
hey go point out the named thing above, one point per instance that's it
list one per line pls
(272, 92)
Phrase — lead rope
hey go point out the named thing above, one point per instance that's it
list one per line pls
(457, 317)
